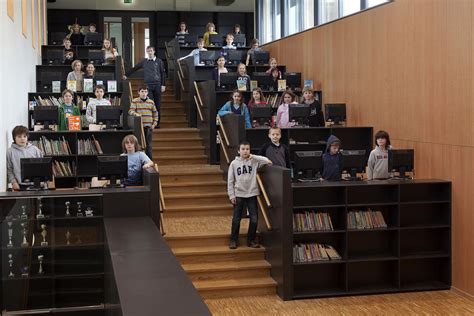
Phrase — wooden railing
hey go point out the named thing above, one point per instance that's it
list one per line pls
(224, 141)
(162, 204)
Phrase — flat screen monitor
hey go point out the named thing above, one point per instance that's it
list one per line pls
(335, 112)
(208, 57)
(45, 115)
(293, 80)
(112, 168)
(229, 80)
(56, 38)
(234, 56)
(108, 115)
(260, 58)
(403, 161)
(93, 38)
(189, 40)
(308, 164)
(216, 40)
(264, 80)
(55, 56)
(239, 40)
(96, 56)
(353, 162)
(262, 114)
(36, 170)
(299, 113)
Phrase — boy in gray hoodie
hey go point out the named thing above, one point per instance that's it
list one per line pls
(18, 150)
(377, 166)
(242, 189)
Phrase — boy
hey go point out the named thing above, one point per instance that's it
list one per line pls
(275, 151)
(69, 54)
(153, 75)
(332, 160)
(252, 50)
(145, 107)
(99, 91)
(195, 53)
(242, 189)
(379, 157)
(229, 39)
(19, 149)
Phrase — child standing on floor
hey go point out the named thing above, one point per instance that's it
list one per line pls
(243, 77)
(379, 157)
(243, 189)
(220, 69)
(195, 53)
(332, 160)
(236, 106)
(283, 112)
(91, 111)
(137, 160)
(277, 152)
(18, 150)
(66, 110)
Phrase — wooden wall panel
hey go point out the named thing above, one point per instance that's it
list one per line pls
(406, 67)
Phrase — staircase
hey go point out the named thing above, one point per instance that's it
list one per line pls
(198, 213)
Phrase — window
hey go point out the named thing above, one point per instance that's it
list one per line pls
(350, 7)
(372, 3)
(328, 10)
(308, 14)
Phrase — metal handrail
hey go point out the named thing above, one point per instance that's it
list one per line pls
(199, 109)
(180, 68)
(224, 149)
(264, 212)
(223, 130)
(262, 188)
(162, 204)
(198, 94)
(181, 81)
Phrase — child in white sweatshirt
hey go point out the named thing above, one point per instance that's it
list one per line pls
(242, 189)
(377, 166)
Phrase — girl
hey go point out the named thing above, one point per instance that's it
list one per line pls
(273, 66)
(216, 72)
(379, 157)
(275, 73)
(66, 109)
(137, 160)
(283, 113)
(236, 106)
(210, 30)
(69, 54)
(182, 30)
(236, 29)
(76, 74)
(316, 117)
(77, 38)
(90, 71)
(257, 99)
(250, 52)
(243, 77)
(109, 52)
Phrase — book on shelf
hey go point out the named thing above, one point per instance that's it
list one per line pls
(64, 168)
(71, 85)
(241, 85)
(56, 86)
(308, 83)
(90, 146)
(366, 219)
(115, 101)
(253, 84)
(74, 123)
(99, 82)
(312, 252)
(111, 85)
(53, 147)
(48, 101)
(274, 100)
(282, 85)
(88, 85)
(312, 221)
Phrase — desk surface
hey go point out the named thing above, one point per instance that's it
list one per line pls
(364, 183)
(67, 192)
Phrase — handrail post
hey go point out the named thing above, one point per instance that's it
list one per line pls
(162, 204)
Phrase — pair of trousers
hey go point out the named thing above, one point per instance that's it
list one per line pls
(241, 204)
(149, 141)
(154, 93)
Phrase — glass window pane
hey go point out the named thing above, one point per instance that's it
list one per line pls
(371, 3)
(276, 20)
(328, 10)
(308, 14)
(350, 6)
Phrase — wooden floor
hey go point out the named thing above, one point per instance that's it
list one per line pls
(418, 303)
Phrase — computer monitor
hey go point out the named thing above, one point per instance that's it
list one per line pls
(208, 57)
(403, 161)
(234, 56)
(45, 115)
(335, 112)
(239, 40)
(55, 56)
(353, 162)
(36, 170)
(262, 113)
(229, 80)
(308, 164)
(104, 77)
(93, 38)
(264, 80)
(112, 168)
(47, 77)
(189, 40)
(293, 80)
(260, 57)
(56, 38)
(108, 115)
(96, 56)
(299, 113)
(216, 40)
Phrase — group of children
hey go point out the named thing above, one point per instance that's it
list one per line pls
(210, 30)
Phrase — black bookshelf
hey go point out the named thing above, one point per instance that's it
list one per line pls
(412, 253)
(82, 52)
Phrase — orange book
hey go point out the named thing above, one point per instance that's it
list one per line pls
(74, 123)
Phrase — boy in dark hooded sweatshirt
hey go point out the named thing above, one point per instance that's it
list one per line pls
(242, 188)
(18, 150)
(332, 160)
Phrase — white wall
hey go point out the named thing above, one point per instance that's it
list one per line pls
(155, 5)
(17, 76)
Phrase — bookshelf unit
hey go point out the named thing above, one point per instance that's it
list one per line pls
(412, 253)
(86, 165)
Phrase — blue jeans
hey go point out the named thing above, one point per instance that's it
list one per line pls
(241, 204)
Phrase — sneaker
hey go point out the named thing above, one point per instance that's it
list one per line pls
(232, 244)
(253, 244)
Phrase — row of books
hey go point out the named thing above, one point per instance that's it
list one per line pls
(90, 146)
(274, 100)
(64, 169)
(242, 85)
(88, 85)
(53, 101)
(311, 221)
(314, 252)
(365, 219)
(53, 147)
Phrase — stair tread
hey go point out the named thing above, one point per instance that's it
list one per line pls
(174, 139)
(194, 195)
(233, 283)
(176, 170)
(199, 207)
(193, 183)
(225, 266)
(185, 157)
(178, 148)
(224, 249)
(200, 235)
(178, 129)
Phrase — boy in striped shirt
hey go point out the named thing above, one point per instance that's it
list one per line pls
(145, 107)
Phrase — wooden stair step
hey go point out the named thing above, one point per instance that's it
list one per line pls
(235, 287)
(193, 186)
(225, 266)
(179, 119)
(192, 150)
(197, 239)
(191, 170)
(173, 124)
(182, 252)
(246, 271)
(175, 209)
(194, 147)
(182, 157)
(196, 195)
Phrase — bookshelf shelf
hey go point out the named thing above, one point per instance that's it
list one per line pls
(318, 207)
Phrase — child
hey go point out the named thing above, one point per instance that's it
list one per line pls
(195, 53)
(229, 39)
(90, 71)
(252, 50)
(91, 30)
(76, 74)
(316, 117)
(18, 150)
(243, 77)
(277, 152)
(220, 69)
(257, 99)
(283, 112)
(275, 73)
(273, 65)
(332, 160)
(145, 107)
(77, 38)
(236, 106)
(110, 53)
(66, 109)
(236, 29)
(99, 91)
(137, 160)
(242, 189)
(379, 157)
(182, 30)
(210, 30)
(69, 54)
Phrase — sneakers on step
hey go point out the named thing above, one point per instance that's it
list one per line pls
(232, 244)
(253, 244)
